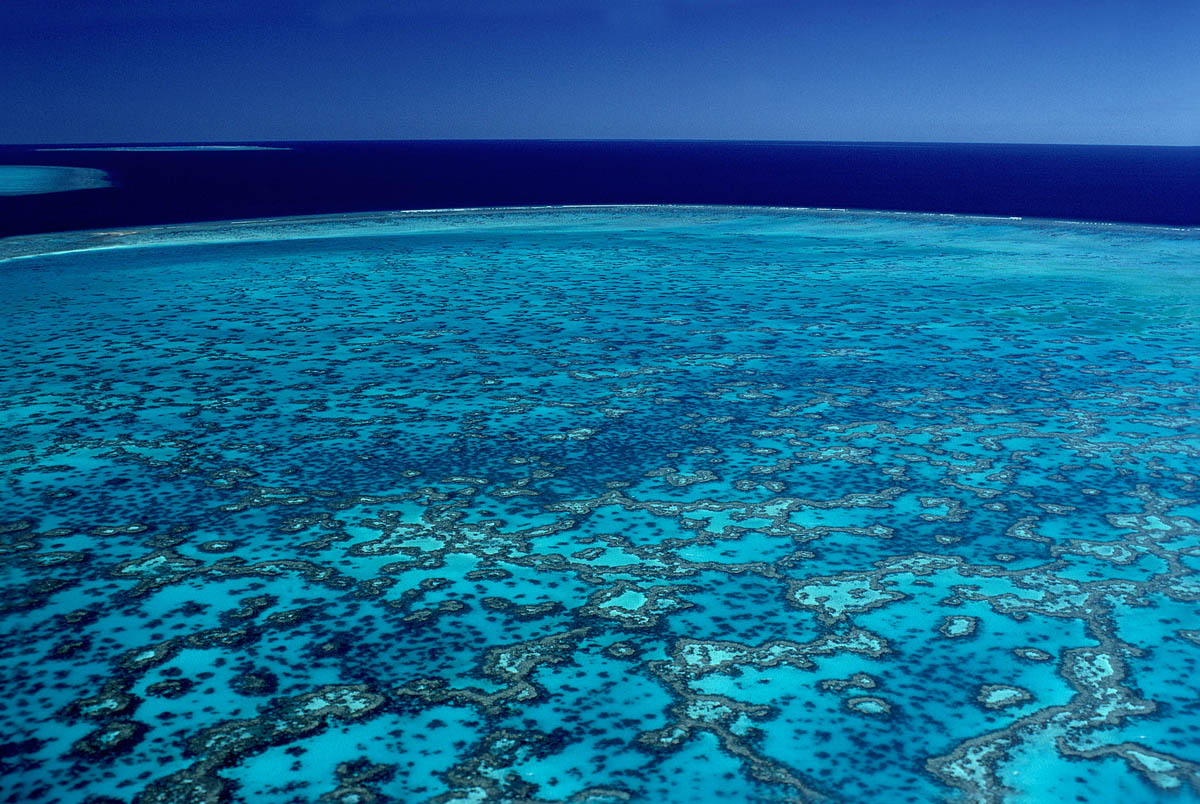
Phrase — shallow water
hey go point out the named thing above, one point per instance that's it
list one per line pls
(25, 180)
(645, 504)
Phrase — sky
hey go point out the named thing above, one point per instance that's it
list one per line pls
(1046, 71)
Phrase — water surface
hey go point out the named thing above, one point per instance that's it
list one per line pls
(602, 504)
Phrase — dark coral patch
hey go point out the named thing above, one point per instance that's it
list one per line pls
(255, 682)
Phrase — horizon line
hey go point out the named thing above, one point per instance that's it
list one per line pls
(214, 142)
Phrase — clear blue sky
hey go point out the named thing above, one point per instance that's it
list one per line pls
(1102, 71)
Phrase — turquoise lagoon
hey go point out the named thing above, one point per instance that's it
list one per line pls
(38, 179)
(643, 504)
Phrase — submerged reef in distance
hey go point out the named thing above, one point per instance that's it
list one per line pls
(601, 505)
(39, 179)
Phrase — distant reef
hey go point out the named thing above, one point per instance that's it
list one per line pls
(37, 179)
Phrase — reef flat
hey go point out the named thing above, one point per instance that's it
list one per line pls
(38, 179)
(602, 505)
(154, 148)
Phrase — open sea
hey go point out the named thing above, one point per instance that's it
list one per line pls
(682, 473)
(178, 184)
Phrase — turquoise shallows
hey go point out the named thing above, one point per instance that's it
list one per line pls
(602, 505)
(37, 179)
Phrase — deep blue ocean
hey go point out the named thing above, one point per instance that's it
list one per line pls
(1158, 185)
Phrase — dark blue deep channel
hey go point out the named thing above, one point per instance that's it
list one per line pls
(1155, 185)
